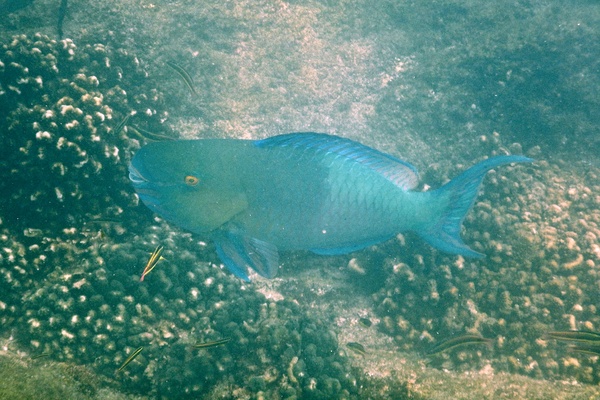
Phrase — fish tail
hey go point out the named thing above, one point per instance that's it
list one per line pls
(457, 198)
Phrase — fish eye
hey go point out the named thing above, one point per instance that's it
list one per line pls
(191, 180)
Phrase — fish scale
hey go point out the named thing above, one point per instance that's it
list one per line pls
(326, 208)
(360, 202)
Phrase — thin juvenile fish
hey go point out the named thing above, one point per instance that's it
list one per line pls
(357, 348)
(462, 340)
(145, 134)
(102, 221)
(122, 124)
(184, 75)
(593, 350)
(365, 322)
(575, 336)
(136, 132)
(41, 355)
(155, 257)
(131, 358)
(212, 344)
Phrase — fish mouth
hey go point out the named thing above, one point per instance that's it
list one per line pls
(135, 176)
(145, 189)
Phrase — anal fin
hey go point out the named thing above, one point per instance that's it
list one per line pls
(349, 248)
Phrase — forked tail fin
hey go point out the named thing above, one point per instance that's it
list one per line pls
(457, 197)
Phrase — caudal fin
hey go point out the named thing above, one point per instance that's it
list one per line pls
(458, 197)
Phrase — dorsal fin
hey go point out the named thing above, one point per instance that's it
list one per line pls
(399, 172)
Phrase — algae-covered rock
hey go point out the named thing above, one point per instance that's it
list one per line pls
(538, 227)
(62, 159)
(27, 379)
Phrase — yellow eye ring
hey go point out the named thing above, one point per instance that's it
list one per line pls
(191, 180)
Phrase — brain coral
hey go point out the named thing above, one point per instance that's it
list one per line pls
(61, 156)
(61, 161)
(539, 229)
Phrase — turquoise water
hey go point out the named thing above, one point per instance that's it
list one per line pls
(441, 85)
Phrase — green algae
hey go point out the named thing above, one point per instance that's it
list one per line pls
(31, 380)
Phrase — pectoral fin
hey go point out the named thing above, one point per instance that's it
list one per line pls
(239, 252)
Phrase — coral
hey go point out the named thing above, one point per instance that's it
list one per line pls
(98, 312)
(63, 165)
(74, 246)
(71, 289)
(538, 227)
(62, 160)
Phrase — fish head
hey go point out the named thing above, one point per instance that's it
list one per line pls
(188, 182)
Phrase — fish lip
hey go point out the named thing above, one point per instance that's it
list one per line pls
(145, 189)
(135, 176)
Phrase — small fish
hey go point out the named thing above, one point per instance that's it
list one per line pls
(41, 355)
(184, 75)
(122, 124)
(131, 358)
(593, 350)
(365, 322)
(147, 135)
(462, 340)
(103, 221)
(155, 257)
(136, 132)
(357, 348)
(212, 344)
(575, 336)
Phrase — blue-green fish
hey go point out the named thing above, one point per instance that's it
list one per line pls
(299, 191)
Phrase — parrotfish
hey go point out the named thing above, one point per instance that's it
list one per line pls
(299, 191)
(462, 340)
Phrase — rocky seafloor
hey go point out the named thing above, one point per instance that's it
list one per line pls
(74, 243)
(539, 227)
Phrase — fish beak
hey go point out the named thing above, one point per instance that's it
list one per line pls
(145, 189)
(135, 176)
